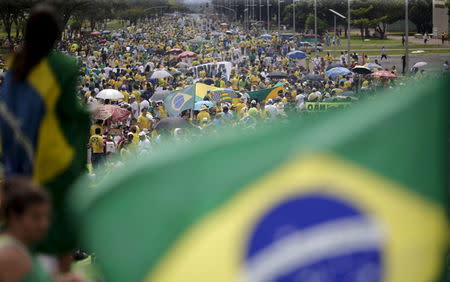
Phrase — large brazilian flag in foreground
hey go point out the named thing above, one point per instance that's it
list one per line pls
(355, 195)
(43, 135)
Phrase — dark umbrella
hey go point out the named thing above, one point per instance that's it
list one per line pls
(313, 77)
(208, 81)
(334, 65)
(172, 123)
(159, 95)
(361, 70)
(277, 74)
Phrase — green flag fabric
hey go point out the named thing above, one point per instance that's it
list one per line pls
(354, 195)
(49, 142)
(180, 100)
(265, 94)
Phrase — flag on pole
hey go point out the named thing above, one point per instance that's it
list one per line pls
(357, 195)
(45, 136)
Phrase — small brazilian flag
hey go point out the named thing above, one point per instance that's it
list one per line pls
(43, 134)
(265, 94)
(355, 195)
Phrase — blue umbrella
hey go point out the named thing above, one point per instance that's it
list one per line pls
(335, 72)
(106, 32)
(198, 105)
(266, 36)
(296, 55)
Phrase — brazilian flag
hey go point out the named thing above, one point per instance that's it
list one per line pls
(264, 95)
(354, 195)
(43, 134)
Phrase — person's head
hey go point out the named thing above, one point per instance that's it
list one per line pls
(25, 210)
(98, 131)
(144, 111)
(225, 109)
(42, 30)
(130, 135)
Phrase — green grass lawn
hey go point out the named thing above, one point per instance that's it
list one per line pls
(399, 52)
(378, 46)
(114, 24)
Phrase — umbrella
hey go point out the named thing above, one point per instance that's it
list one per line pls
(160, 74)
(198, 105)
(296, 55)
(106, 31)
(224, 24)
(229, 32)
(116, 34)
(182, 65)
(334, 65)
(111, 94)
(172, 123)
(187, 54)
(335, 72)
(96, 33)
(384, 74)
(420, 64)
(277, 74)
(159, 96)
(373, 66)
(175, 51)
(113, 112)
(313, 77)
(361, 70)
(266, 36)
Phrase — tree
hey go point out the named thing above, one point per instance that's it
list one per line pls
(421, 14)
(12, 12)
(309, 24)
(363, 22)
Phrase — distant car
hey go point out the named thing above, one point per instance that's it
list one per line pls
(308, 46)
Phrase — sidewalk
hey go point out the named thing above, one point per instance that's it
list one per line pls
(413, 40)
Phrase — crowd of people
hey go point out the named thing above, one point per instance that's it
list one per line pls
(284, 70)
(126, 59)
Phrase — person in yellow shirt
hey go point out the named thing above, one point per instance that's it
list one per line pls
(240, 105)
(135, 140)
(137, 95)
(235, 83)
(203, 114)
(143, 121)
(162, 111)
(97, 146)
(97, 124)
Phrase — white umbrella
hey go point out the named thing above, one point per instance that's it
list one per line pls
(110, 94)
(420, 64)
(160, 74)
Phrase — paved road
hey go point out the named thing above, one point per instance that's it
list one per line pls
(387, 50)
(435, 61)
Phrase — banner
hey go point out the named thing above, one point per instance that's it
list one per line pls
(324, 106)
(213, 68)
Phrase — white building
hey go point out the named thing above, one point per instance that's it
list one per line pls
(440, 18)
